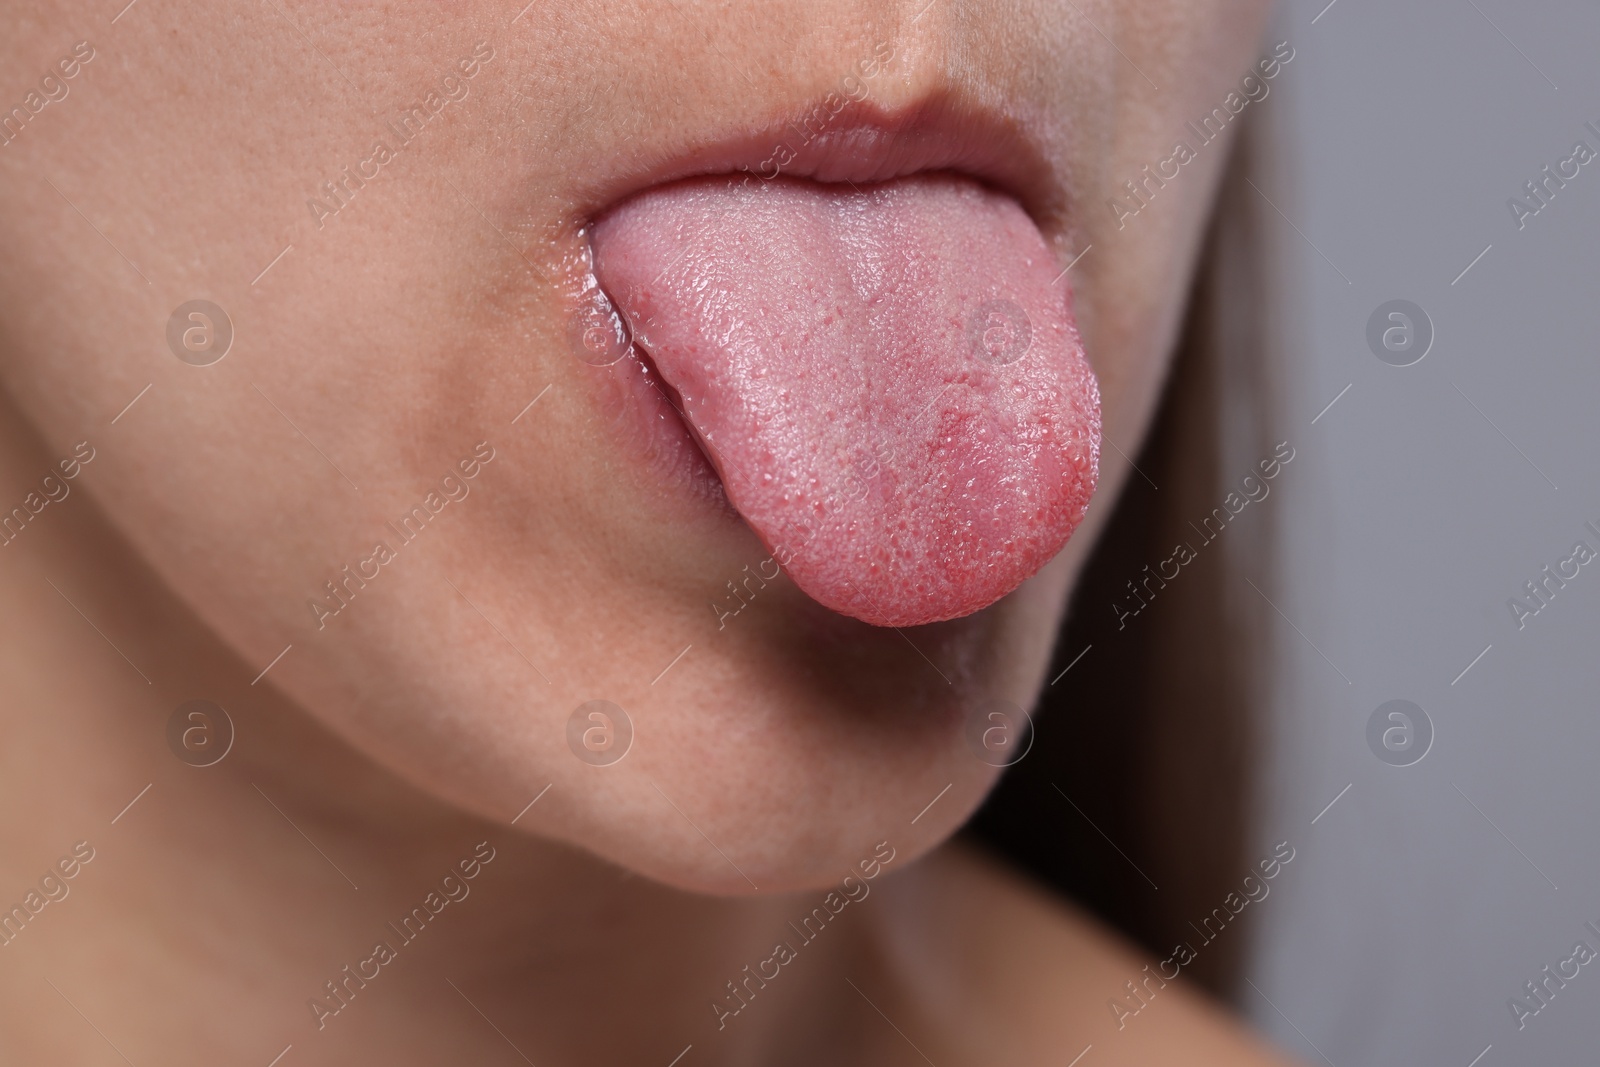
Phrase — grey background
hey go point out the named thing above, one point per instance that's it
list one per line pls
(1427, 895)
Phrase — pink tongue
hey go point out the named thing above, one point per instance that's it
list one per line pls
(888, 379)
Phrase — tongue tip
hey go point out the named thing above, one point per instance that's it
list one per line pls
(957, 581)
(895, 607)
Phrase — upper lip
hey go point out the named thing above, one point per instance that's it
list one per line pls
(866, 142)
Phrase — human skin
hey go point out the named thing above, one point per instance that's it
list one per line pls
(368, 360)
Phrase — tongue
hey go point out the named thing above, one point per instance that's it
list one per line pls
(887, 379)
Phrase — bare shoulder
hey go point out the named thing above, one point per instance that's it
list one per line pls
(996, 971)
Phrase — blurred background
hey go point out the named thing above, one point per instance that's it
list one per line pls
(1445, 850)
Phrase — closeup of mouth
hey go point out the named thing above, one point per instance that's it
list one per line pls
(857, 319)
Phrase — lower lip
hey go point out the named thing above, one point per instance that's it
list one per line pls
(645, 419)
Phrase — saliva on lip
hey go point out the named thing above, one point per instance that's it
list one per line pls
(600, 335)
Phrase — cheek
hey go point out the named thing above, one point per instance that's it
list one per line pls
(1131, 287)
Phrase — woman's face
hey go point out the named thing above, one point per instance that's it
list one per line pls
(412, 466)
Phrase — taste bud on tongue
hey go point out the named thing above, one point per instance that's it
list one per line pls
(888, 379)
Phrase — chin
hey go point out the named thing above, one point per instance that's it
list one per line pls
(772, 758)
